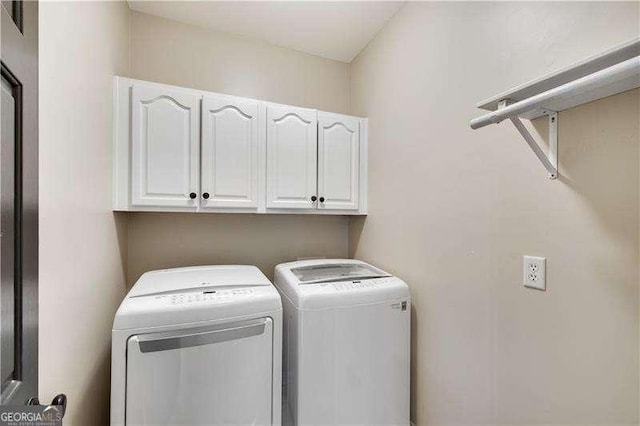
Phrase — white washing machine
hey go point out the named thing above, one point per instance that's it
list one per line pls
(346, 344)
(198, 346)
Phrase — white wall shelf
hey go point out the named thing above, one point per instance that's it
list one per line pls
(608, 73)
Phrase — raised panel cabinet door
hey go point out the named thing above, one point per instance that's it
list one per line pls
(291, 157)
(229, 153)
(338, 161)
(165, 148)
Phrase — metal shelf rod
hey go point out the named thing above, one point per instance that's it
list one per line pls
(622, 71)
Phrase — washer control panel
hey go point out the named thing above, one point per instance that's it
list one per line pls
(357, 284)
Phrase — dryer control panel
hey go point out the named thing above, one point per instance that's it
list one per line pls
(204, 296)
(207, 303)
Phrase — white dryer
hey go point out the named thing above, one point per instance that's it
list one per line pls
(198, 346)
(346, 344)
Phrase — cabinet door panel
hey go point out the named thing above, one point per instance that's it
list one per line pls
(338, 161)
(229, 153)
(291, 157)
(165, 148)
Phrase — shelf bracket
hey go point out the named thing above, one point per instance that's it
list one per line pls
(549, 160)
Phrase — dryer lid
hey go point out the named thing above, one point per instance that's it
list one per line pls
(336, 272)
(180, 279)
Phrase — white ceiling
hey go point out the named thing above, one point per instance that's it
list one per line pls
(332, 29)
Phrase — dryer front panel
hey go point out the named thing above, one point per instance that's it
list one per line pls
(218, 375)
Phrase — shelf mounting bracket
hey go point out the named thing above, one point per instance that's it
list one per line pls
(549, 160)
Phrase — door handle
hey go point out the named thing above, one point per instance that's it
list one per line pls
(173, 340)
(60, 400)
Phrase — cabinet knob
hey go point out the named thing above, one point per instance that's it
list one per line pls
(205, 195)
(322, 199)
(192, 195)
(314, 198)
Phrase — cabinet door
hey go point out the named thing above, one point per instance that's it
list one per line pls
(229, 153)
(291, 157)
(165, 151)
(338, 161)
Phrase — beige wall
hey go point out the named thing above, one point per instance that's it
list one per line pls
(170, 52)
(160, 240)
(453, 210)
(82, 276)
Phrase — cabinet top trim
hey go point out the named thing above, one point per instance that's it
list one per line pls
(203, 93)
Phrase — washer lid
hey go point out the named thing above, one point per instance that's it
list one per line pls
(332, 272)
(336, 283)
(201, 277)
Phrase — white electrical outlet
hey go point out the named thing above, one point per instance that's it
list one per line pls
(534, 272)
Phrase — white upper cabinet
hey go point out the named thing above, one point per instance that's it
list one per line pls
(179, 149)
(291, 157)
(230, 172)
(338, 161)
(165, 148)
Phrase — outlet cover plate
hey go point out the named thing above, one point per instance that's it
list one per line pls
(534, 272)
